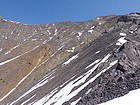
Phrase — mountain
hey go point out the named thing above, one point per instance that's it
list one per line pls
(69, 63)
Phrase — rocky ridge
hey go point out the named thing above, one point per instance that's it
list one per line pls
(69, 63)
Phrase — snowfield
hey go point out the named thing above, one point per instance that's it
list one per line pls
(132, 98)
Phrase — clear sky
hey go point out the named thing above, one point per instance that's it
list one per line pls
(48, 11)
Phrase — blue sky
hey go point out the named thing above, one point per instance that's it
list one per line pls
(48, 11)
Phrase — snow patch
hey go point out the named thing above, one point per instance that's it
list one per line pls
(72, 58)
(97, 52)
(28, 100)
(131, 32)
(41, 82)
(6, 37)
(79, 35)
(98, 18)
(0, 49)
(96, 61)
(55, 32)
(49, 32)
(44, 99)
(5, 20)
(135, 29)
(72, 50)
(66, 92)
(123, 34)
(121, 41)
(82, 42)
(24, 40)
(12, 32)
(34, 39)
(47, 40)
(2, 63)
(113, 63)
(12, 49)
(17, 85)
(90, 31)
(132, 98)
(75, 102)
(88, 91)
(92, 27)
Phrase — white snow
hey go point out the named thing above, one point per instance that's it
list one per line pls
(75, 102)
(45, 79)
(58, 97)
(96, 61)
(44, 99)
(2, 63)
(50, 38)
(12, 49)
(134, 14)
(123, 34)
(47, 40)
(34, 39)
(88, 90)
(79, 35)
(24, 103)
(135, 29)
(82, 42)
(100, 23)
(121, 41)
(35, 30)
(98, 18)
(92, 27)
(90, 31)
(132, 98)
(51, 56)
(24, 40)
(55, 32)
(30, 36)
(6, 37)
(17, 85)
(97, 52)
(12, 32)
(0, 49)
(49, 32)
(72, 50)
(5, 20)
(72, 58)
(131, 32)
(65, 93)
(113, 63)
(14, 22)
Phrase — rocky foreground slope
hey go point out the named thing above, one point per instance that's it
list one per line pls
(69, 63)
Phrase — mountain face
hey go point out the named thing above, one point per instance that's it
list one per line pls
(69, 63)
